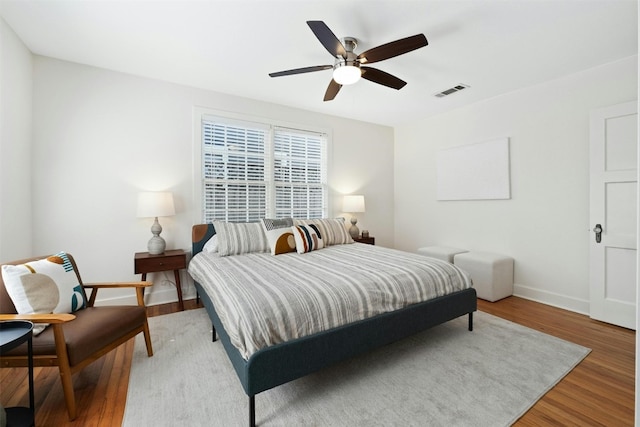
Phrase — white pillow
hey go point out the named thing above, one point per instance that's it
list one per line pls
(211, 245)
(279, 235)
(235, 238)
(45, 286)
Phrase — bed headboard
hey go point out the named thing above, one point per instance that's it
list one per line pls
(200, 234)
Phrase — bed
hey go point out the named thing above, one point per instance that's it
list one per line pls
(261, 366)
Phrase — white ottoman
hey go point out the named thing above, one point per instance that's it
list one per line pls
(492, 274)
(444, 253)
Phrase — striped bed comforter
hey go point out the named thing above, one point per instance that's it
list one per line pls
(263, 300)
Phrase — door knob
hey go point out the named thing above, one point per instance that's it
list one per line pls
(598, 230)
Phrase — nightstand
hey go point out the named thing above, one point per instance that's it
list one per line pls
(174, 260)
(368, 240)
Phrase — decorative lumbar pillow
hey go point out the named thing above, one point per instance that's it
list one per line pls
(236, 238)
(308, 238)
(332, 230)
(48, 285)
(279, 235)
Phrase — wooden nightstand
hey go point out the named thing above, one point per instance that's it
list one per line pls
(174, 260)
(368, 240)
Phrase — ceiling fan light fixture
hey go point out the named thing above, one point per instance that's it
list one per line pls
(347, 68)
(346, 74)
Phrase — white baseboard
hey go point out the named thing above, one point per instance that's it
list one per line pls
(550, 298)
(167, 295)
(155, 297)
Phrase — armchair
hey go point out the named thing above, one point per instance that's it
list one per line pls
(73, 341)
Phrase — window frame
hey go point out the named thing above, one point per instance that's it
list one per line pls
(201, 113)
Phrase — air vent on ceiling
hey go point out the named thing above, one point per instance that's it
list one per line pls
(456, 88)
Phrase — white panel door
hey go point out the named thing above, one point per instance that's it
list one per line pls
(613, 214)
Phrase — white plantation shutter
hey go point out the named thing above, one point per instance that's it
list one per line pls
(253, 170)
(299, 175)
(234, 163)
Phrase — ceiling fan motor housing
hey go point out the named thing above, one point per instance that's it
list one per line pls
(351, 71)
(350, 44)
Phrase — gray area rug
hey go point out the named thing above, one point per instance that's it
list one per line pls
(445, 376)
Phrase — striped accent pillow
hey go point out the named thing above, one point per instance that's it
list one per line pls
(332, 230)
(235, 238)
(307, 237)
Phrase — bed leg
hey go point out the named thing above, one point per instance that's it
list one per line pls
(471, 321)
(252, 411)
(213, 333)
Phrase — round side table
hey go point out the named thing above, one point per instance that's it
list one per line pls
(12, 334)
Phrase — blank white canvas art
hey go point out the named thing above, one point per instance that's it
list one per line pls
(475, 171)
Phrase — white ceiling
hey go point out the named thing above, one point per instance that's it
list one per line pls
(231, 46)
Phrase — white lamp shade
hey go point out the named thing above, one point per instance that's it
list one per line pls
(353, 203)
(155, 204)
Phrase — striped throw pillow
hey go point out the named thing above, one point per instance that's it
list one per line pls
(332, 230)
(240, 238)
(307, 237)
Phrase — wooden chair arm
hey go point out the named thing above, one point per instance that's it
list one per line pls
(40, 318)
(139, 287)
(117, 285)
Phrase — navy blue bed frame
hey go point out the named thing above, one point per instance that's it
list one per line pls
(281, 363)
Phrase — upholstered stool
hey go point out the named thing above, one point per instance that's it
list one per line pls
(444, 253)
(492, 274)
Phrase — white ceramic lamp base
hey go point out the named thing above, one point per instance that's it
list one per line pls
(354, 230)
(156, 244)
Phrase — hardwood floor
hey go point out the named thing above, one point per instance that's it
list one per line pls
(598, 392)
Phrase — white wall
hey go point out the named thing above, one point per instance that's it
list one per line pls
(545, 225)
(15, 146)
(99, 137)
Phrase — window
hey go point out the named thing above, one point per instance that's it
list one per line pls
(254, 170)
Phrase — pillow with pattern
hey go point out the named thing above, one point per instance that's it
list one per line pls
(236, 238)
(45, 286)
(308, 238)
(332, 230)
(279, 235)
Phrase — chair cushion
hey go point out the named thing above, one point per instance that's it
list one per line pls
(92, 329)
(48, 285)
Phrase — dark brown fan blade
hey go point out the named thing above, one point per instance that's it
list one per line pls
(332, 90)
(327, 38)
(301, 70)
(392, 49)
(380, 77)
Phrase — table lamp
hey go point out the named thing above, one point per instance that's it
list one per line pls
(353, 204)
(152, 205)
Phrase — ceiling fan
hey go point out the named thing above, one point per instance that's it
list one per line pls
(348, 66)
